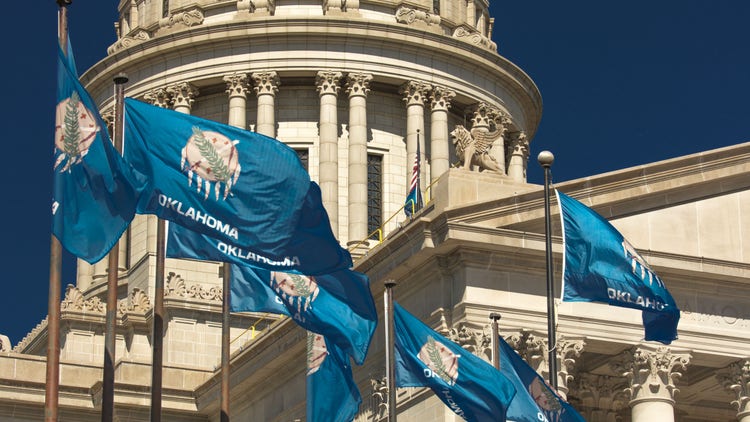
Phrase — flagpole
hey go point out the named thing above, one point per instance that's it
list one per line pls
(545, 159)
(390, 365)
(55, 268)
(110, 329)
(226, 294)
(494, 343)
(158, 330)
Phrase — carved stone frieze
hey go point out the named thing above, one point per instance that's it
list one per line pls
(358, 84)
(736, 378)
(328, 82)
(185, 18)
(136, 302)
(409, 16)
(472, 36)
(266, 83)
(75, 301)
(175, 286)
(652, 372)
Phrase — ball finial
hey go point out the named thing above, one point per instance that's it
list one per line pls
(545, 158)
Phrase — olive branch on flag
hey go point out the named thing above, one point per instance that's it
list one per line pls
(437, 360)
(72, 135)
(208, 151)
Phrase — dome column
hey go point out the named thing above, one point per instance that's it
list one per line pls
(266, 87)
(440, 101)
(415, 94)
(519, 156)
(736, 378)
(327, 84)
(237, 90)
(358, 86)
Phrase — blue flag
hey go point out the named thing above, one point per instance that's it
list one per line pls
(247, 295)
(338, 305)
(534, 401)
(470, 386)
(241, 188)
(599, 265)
(332, 395)
(94, 196)
(414, 198)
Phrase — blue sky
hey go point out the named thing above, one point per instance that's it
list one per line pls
(623, 84)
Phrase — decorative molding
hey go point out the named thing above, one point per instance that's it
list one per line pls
(135, 37)
(651, 371)
(175, 286)
(601, 394)
(237, 85)
(358, 84)
(266, 83)
(415, 92)
(137, 302)
(736, 378)
(75, 301)
(441, 97)
(31, 336)
(478, 342)
(185, 18)
(411, 16)
(183, 94)
(472, 36)
(159, 97)
(327, 82)
(260, 7)
(379, 397)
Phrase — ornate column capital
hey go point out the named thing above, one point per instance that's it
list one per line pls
(415, 92)
(652, 371)
(237, 85)
(486, 115)
(602, 396)
(358, 84)
(441, 97)
(736, 378)
(183, 94)
(327, 82)
(159, 97)
(478, 342)
(534, 348)
(266, 83)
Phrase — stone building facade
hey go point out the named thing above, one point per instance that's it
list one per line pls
(353, 86)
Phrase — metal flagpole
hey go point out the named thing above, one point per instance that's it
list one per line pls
(390, 364)
(546, 159)
(110, 329)
(226, 294)
(55, 268)
(495, 344)
(158, 330)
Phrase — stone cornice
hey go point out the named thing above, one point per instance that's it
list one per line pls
(242, 33)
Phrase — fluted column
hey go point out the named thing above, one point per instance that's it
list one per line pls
(651, 371)
(266, 87)
(327, 84)
(519, 156)
(736, 378)
(358, 86)
(415, 94)
(440, 102)
(237, 90)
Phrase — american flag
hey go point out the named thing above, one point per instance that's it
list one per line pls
(414, 198)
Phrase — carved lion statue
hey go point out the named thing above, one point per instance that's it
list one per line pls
(473, 148)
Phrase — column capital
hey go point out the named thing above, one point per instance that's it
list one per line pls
(266, 83)
(358, 84)
(441, 97)
(651, 371)
(328, 82)
(736, 378)
(519, 143)
(486, 115)
(602, 395)
(159, 97)
(415, 92)
(534, 348)
(183, 94)
(237, 85)
(478, 342)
